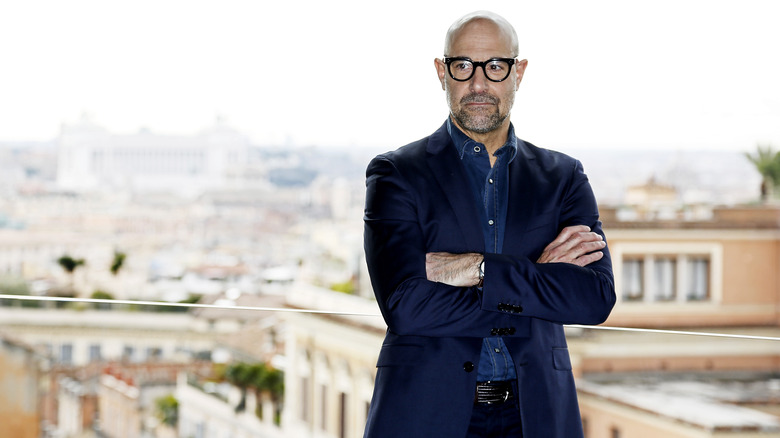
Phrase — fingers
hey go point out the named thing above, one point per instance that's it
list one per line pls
(576, 245)
(588, 258)
(569, 232)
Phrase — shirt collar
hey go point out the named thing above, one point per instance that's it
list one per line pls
(462, 141)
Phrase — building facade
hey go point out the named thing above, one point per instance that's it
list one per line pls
(331, 364)
(90, 158)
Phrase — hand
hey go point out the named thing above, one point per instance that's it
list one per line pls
(576, 245)
(460, 270)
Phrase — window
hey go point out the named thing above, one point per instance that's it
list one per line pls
(66, 354)
(343, 415)
(698, 271)
(665, 278)
(323, 407)
(153, 353)
(633, 280)
(94, 353)
(200, 430)
(305, 413)
(127, 353)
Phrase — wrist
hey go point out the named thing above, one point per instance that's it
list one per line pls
(481, 272)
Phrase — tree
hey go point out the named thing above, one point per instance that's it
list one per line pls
(118, 262)
(273, 382)
(259, 377)
(167, 410)
(70, 264)
(102, 295)
(767, 163)
(243, 376)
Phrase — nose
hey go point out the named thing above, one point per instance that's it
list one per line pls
(478, 81)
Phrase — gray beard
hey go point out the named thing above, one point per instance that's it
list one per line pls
(481, 124)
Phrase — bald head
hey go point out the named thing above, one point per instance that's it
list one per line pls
(476, 19)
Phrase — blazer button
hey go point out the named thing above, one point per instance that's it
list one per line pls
(494, 331)
(518, 309)
(468, 367)
(511, 330)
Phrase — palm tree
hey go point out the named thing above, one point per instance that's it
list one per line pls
(259, 377)
(273, 383)
(70, 264)
(243, 376)
(767, 162)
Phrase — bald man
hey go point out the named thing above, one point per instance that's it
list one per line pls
(480, 246)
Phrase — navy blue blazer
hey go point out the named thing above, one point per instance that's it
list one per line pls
(418, 201)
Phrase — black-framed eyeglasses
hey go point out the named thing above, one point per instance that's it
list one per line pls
(462, 68)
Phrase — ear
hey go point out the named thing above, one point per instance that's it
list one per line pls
(521, 65)
(441, 71)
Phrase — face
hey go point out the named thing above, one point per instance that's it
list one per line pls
(479, 105)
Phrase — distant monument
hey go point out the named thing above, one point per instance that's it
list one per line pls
(91, 158)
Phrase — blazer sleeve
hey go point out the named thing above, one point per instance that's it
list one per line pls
(557, 292)
(395, 254)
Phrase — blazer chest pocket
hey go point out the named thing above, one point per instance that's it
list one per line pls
(399, 355)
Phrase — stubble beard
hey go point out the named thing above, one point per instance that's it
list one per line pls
(479, 120)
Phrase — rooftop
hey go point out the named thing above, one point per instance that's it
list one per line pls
(709, 401)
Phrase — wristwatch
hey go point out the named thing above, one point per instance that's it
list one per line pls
(481, 272)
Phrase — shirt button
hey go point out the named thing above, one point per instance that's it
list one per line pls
(490, 222)
(497, 350)
(490, 180)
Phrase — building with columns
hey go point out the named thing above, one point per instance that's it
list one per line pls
(91, 158)
(331, 364)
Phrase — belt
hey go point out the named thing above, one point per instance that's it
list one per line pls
(489, 393)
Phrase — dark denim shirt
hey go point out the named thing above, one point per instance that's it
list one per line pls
(490, 188)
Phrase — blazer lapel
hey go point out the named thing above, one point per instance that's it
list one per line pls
(448, 170)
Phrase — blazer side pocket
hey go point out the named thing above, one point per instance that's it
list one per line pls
(561, 359)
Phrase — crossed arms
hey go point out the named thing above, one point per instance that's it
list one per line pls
(426, 292)
(575, 244)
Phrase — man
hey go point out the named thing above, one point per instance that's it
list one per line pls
(480, 246)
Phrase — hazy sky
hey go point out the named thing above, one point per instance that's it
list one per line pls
(618, 74)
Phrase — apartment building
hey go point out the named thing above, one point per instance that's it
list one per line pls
(713, 270)
(21, 369)
(331, 363)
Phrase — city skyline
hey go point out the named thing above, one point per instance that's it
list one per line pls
(693, 75)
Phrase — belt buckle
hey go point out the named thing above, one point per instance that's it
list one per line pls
(495, 392)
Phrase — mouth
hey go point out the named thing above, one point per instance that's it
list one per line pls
(478, 101)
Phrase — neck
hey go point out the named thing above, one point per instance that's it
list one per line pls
(492, 140)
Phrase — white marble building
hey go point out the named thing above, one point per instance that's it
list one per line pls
(91, 158)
